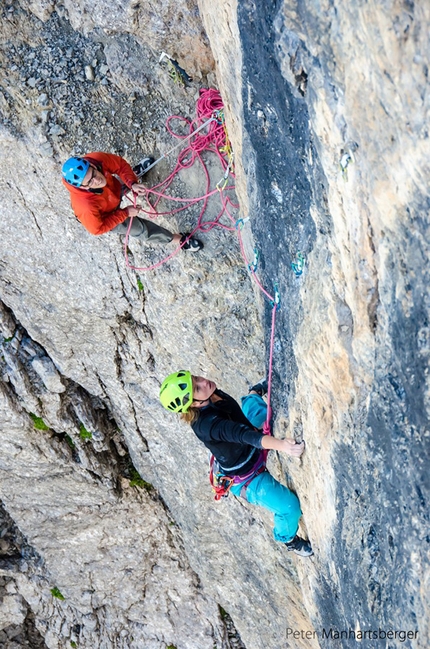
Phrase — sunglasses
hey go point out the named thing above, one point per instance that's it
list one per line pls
(90, 180)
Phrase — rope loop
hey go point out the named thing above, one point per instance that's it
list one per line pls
(207, 132)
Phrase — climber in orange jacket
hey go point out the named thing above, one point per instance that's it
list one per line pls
(96, 194)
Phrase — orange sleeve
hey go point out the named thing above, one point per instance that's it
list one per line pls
(115, 165)
(94, 220)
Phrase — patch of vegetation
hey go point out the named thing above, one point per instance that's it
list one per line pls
(139, 284)
(7, 340)
(73, 644)
(222, 613)
(69, 441)
(55, 592)
(171, 646)
(84, 433)
(38, 422)
(137, 481)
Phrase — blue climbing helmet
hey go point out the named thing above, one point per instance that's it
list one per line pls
(74, 171)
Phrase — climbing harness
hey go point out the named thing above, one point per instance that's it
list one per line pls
(222, 483)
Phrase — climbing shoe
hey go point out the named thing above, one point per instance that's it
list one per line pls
(260, 388)
(193, 245)
(142, 166)
(300, 546)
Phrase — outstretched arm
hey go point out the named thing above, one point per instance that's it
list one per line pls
(115, 164)
(288, 446)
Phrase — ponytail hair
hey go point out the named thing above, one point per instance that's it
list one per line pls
(190, 416)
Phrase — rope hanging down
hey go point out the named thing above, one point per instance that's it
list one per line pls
(209, 110)
(275, 303)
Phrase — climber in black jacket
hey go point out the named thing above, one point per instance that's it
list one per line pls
(239, 448)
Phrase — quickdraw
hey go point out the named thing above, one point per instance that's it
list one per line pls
(298, 265)
(252, 267)
(276, 302)
(218, 115)
(224, 179)
(221, 485)
(241, 222)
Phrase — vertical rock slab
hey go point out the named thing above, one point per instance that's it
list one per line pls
(335, 106)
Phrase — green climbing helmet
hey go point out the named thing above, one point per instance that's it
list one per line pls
(176, 392)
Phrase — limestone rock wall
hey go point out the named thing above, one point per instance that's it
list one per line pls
(335, 110)
(327, 107)
(106, 566)
(85, 347)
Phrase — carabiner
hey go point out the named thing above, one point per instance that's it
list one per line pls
(276, 302)
(254, 265)
(298, 265)
(241, 222)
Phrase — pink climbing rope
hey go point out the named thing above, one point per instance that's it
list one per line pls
(273, 300)
(266, 425)
(209, 109)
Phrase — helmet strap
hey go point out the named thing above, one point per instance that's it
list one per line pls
(203, 400)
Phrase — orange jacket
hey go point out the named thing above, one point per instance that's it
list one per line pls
(100, 213)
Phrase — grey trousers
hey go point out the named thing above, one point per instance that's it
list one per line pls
(143, 229)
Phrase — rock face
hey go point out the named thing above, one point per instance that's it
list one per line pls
(113, 570)
(335, 109)
(106, 499)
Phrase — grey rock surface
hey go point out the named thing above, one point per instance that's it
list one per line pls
(334, 113)
(116, 571)
(327, 110)
(110, 567)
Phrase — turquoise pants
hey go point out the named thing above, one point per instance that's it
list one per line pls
(264, 490)
(255, 409)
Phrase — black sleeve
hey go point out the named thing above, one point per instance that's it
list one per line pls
(224, 430)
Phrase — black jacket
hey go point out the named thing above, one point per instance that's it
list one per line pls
(227, 433)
